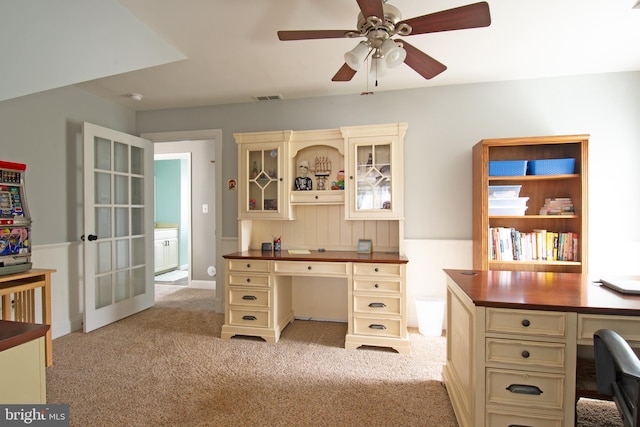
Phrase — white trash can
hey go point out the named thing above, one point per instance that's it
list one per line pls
(430, 312)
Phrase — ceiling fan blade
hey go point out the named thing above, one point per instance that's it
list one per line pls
(314, 34)
(344, 74)
(371, 8)
(470, 16)
(422, 63)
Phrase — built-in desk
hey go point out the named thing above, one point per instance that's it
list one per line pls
(512, 341)
(259, 302)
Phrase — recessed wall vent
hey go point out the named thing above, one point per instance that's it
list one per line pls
(267, 97)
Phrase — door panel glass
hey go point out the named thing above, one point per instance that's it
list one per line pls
(137, 160)
(122, 222)
(103, 260)
(137, 280)
(121, 193)
(137, 191)
(102, 188)
(122, 254)
(103, 291)
(120, 157)
(137, 221)
(138, 252)
(121, 288)
(103, 223)
(102, 153)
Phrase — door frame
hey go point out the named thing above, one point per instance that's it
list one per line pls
(216, 136)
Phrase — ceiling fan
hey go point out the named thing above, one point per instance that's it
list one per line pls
(378, 22)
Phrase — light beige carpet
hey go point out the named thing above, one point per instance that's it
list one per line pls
(167, 366)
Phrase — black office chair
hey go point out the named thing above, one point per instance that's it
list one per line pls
(618, 374)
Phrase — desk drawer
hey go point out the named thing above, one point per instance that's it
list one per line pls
(526, 353)
(249, 279)
(255, 265)
(627, 326)
(518, 388)
(302, 268)
(527, 322)
(507, 417)
(371, 269)
(249, 317)
(377, 327)
(384, 285)
(376, 304)
(249, 297)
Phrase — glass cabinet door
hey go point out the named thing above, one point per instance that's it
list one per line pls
(263, 180)
(373, 179)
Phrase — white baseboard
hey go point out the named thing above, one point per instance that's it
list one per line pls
(203, 284)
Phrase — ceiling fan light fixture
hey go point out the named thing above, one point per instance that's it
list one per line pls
(356, 56)
(393, 54)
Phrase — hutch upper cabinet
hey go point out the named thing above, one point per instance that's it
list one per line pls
(551, 233)
(263, 175)
(374, 167)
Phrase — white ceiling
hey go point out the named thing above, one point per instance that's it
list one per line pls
(206, 52)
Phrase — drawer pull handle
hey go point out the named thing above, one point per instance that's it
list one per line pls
(526, 323)
(248, 265)
(249, 297)
(524, 389)
(377, 305)
(317, 197)
(525, 354)
(377, 326)
(376, 286)
(248, 279)
(376, 269)
(309, 268)
(248, 317)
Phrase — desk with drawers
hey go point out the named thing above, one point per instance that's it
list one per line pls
(513, 339)
(259, 302)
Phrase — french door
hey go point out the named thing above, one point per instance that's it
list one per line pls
(118, 225)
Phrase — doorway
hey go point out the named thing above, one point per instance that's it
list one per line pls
(205, 146)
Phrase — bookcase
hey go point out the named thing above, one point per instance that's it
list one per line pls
(539, 189)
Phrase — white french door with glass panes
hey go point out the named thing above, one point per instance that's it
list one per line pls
(118, 225)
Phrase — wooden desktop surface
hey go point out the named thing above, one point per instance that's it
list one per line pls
(326, 256)
(574, 292)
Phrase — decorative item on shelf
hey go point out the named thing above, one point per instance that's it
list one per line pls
(303, 182)
(386, 204)
(254, 170)
(558, 206)
(266, 247)
(277, 244)
(338, 184)
(322, 169)
(364, 246)
(252, 204)
(270, 204)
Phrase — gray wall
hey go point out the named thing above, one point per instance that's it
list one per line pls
(44, 131)
(444, 123)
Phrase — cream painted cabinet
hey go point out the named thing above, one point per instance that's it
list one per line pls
(374, 166)
(165, 249)
(263, 175)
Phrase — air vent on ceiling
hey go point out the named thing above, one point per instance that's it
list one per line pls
(267, 97)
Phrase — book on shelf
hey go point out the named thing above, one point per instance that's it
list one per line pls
(558, 206)
(509, 244)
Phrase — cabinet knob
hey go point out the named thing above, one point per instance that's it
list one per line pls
(248, 279)
(309, 268)
(248, 265)
(317, 197)
(525, 354)
(376, 286)
(526, 323)
(351, 177)
(376, 269)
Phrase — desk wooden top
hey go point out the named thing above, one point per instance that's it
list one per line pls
(574, 292)
(326, 256)
(13, 334)
(26, 274)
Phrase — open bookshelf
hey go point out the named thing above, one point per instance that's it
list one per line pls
(539, 189)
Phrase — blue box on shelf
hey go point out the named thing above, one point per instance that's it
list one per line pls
(551, 167)
(508, 168)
